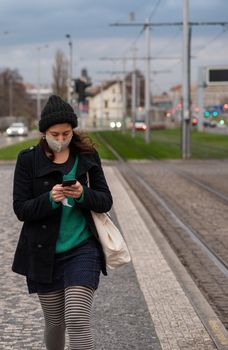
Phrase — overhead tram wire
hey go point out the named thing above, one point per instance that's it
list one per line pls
(158, 3)
(154, 9)
(133, 44)
(143, 27)
(174, 37)
(156, 54)
(201, 49)
(224, 31)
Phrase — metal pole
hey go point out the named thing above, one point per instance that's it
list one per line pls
(201, 86)
(188, 131)
(10, 97)
(133, 94)
(70, 69)
(186, 80)
(124, 96)
(71, 64)
(102, 106)
(38, 98)
(147, 83)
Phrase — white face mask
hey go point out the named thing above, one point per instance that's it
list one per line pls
(57, 146)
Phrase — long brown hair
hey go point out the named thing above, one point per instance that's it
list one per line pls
(80, 143)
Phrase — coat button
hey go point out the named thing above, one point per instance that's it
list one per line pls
(46, 183)
(39, 246)
(44, 227)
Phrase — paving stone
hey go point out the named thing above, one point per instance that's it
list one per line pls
(156, 279)
(121, 319)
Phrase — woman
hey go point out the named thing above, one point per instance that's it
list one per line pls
(58, 250)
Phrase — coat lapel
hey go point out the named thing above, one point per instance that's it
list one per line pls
(85, 162)
(43, 165)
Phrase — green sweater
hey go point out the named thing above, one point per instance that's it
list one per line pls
(73, 228)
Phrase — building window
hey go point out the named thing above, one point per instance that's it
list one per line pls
(105, 103)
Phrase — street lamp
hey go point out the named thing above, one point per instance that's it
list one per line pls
(70, 68)
(38, 98)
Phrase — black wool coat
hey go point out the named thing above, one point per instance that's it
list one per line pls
(34, 178)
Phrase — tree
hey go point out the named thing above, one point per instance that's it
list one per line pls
(59, 69)
(14, 100)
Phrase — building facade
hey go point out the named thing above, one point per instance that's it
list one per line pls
(106, 105)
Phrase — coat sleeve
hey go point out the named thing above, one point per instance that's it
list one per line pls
(26, 207)
(97, 196)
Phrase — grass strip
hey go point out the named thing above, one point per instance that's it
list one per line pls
(165, 144)
(10, 152)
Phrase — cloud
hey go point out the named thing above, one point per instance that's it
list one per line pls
(33, 24)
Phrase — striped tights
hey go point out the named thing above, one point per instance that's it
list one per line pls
(68, 309)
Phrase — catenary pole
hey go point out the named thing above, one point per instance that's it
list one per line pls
(185, 84)
(133, 94)
(38, 100)
(70, 68)
(124, 96)
(201, 87)
(147, 83)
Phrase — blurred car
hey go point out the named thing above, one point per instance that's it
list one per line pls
(209, 124)
(114, 125)
(139, 125)
(17, 129)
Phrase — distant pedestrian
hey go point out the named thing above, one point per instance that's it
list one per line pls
(58, 250)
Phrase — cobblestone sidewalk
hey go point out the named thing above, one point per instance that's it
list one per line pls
(121, 319)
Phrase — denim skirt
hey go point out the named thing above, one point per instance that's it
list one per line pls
(76, 267)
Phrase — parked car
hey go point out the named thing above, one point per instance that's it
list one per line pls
(139, 125)
(17, 129)
(114, 125)
(209, 124)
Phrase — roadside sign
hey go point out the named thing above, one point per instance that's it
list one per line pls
(217, 75)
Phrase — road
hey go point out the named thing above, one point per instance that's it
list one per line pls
(6, 140)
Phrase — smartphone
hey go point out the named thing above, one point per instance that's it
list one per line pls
(69, 182)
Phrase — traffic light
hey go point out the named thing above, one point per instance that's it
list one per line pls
(206, 114)
(214, 114)
(80, 89)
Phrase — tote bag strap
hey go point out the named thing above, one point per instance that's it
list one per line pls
(87, 176)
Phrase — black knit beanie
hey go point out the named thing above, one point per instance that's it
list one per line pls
(57, 111)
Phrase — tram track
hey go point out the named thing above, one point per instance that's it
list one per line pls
(181, 222)
(206, 187)
(195, 236)
(206, 266)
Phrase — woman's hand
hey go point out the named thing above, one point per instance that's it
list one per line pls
(74, 191)
(57, 193)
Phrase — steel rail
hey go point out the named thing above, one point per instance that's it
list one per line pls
(193, 234)
(199, 183)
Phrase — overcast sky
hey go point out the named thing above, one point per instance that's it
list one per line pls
(36, 24)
